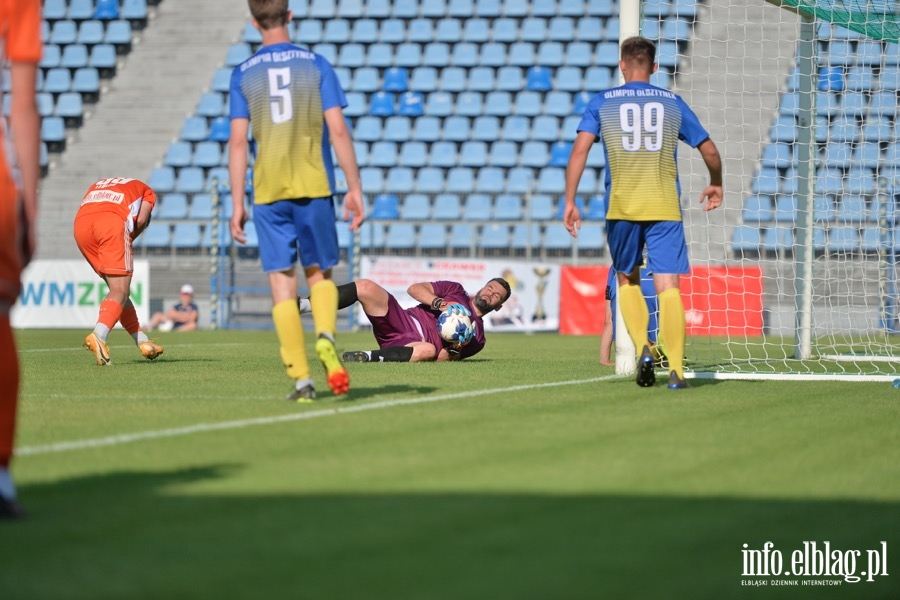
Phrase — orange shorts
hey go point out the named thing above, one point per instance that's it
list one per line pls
(11, 246)
(105, 242)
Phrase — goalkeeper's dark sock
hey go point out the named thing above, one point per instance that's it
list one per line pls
(346, 297)
(391, 354)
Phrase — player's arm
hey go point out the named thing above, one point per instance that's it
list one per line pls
(423, 292)
(574, 171)
(237, 175)
(142, 221)
(346, 155)
(713, 193)
(26, 125)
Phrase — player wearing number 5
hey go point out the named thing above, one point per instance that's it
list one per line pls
(295, 102)
(639, 126)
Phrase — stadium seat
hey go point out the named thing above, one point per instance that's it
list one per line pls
(103, 58)
(758, 208)
(201, 208)
(469, 104)
(779, 240)
(494, 237)
(504, 30)
(878, 129)
(70, 107)
(433, 237)
(527, 103)
(508, 207)
(385, 207)
(157, 237)
(557, 237)
(427, 129)
(473, 153)
(45, 104)
(429, 180)
(745, 239)
(521, 54)
(194, 129)
(448, 31)
(379, 55)
(424, 79)
(765, 181)
(409, 54)
(461, 8)
(172, 207)
(162, 179)
(786, 208)
(490, 180)
(851, 210)
(460, 180)
(591, 238)
(545, 128)
(453, 79)
(220, 129)
(525, 236)
(579, 54)
(551, 54)
(477, 207)
(383, 154)
(55, 10)
(476, 30)
(178, 154)
(63, 33)
(135, 12)
(519, 180)
(867, 155)
(486, 128)
(503, 154)
(399, 180)
(533, 29)
(561, 207)
(516, 128)
(413, 154)
(777, 155)
(447, 207)
(443, 154)
(405, 9)
(57, 80)
(189, 180)
(337, 31)
(372, 179)
(534, 154)
(186, 236)
(439, 104)
(436, 54)
(381, 104)
(86, 82)
(91, 32)
(596, 209)
(74, 56)
(364, 31)
(50, 59)
(540, 207)
(559, 154)
(416, 207)
(367, 129)
(493, 54)
(843, 239)
(420, 31)
(838, 154)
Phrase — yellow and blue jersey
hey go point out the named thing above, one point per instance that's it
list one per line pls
(284, 90)
(639, 125)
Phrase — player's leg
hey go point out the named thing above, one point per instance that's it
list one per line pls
(132, 325)
(667, 261)
(319, 252)
(9, 397)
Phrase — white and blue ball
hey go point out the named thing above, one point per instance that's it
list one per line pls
(455, 326)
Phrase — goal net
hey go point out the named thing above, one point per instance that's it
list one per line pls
(801, 97)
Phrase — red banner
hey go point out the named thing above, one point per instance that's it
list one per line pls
(717, 300)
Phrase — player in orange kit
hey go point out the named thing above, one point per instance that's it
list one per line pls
(113, 213)
(20, 47)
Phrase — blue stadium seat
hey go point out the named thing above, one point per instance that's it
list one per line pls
(493, 54)
(251, 34)
(557, 237)
(103, 58)
(462, 237)
(504, 30)
(383, 154)
(464, 54)
(538, 79)
(456, 129)
(785, 208)
(381, 104)
(778, 155)
(558, 103)
(194, 129)
(519, 180)
(392, 31)
(884, 103)
(447, 207)
(784, 129)
(172, 207)
(162, 179)
(411, 104)
(45, 104)
(405, 9)
(189, 180)
(596, 209)
(838, 154)
(871, 240)
(765, 181)
(55, 10)
(57, 81)
(860, 181)
(829, 181)
(220, 129)
(851, 209)
(473, 153)
(460, 180)
(118, 33)
(86, 82)
(424, 79)
(545, 128)
(427, 129)
(439, 104)
(867, 155)
(607, 54)
(486, 128)
(589, 29)
(50, 60)
(308, 32)
(561, 207)
(612, 28)
(503, 154)
(372, 179)
(70, 107)
(135, 11)
(443, 154)
(352, 56)
(477, 207)
(569, 127)
(157, 237)
(498, 103)
(823, 209)
(476, 30)
(429, 180)
(568, 79)
(186, 236)
(591, 238)
(758, 208)
(237, 53)
(63, 33)
(495, 237)
(201, 208)
(533, 29)
(678, 30)
(878, 129)
(409, 54)
(831, 79)
(420, 31)
(844, 129)
(509, 79)
(367, 129)
(508, 207)
(534, 154)
(561, 29)
(74, 56)
(469, 104)
(399, 180)
(580, 102)
(416, 207)
(843, 239)
(448, 31)
(91, 32)
(221, 81)
(521, 54)
(178, 154)
(490, 180)
(453, 79)
(385, 206)
(433, 237)
(434, 8)
(551, 54)
(540, 208)
(516, 128)
(461, 8)
(337, 31)
(364, 31)
(525, 235)
(437, 54)
(559, 154)
(211, 104)
(380, 55)
(356, 104)
(779, 239)
(745, 238)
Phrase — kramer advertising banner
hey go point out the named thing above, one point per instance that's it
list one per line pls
(66, 294)
(533, 305)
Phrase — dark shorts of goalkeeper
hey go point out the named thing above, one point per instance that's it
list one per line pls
(399, 327)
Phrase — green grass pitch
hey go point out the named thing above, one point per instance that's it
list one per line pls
(527, 472)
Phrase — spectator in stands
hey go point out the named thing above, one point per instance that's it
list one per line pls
(20, 50)
(181, 317)
(280, 89)
(411, 335)
(639, 126)
(113, 213)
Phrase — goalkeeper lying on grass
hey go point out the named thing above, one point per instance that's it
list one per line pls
(411, 335)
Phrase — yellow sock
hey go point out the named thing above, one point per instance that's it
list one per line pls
(323, 299)
(635, 314)
(671, 328)
(289, 329)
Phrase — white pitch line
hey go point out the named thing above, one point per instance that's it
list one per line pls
(127, 438)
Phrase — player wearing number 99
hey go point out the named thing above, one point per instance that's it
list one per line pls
(639, 126)
(295, 102)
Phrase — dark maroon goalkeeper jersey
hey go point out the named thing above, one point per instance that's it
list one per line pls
(419, 324)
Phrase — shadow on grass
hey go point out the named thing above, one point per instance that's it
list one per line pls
(175, 535)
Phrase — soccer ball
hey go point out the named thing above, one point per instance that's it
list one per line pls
(455, 326)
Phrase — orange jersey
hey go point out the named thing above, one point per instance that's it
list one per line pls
(20, 41)
(119, 195)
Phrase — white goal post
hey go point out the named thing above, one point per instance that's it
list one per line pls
(800, 96)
